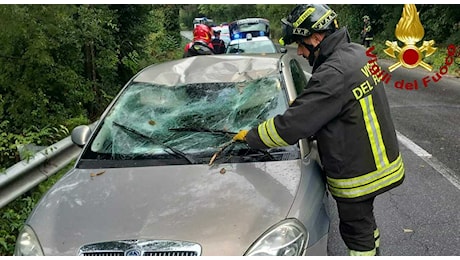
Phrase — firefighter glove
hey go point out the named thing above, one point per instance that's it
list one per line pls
(240, 136)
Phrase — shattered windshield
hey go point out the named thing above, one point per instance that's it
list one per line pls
(187, 123)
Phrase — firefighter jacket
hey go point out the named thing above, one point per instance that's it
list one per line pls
(367, 33)
(345, 108)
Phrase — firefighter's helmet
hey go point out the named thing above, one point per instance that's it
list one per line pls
(305, 20)
(202, 32)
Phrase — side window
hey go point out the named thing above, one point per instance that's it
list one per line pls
(300, 80)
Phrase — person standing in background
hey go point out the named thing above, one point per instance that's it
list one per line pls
(367, 34)
(218, 43)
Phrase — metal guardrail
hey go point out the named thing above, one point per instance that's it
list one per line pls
(27, 174)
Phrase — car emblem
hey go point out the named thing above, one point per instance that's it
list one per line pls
(133, 252)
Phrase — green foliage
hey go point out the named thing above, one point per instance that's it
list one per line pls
(274, 13)
(454, 38)
(439, 21)
(8, 148)
(186, 15)
(66, 60)
(171, 24)
(69, 61)
(133, 25)
(227, 13)
(39, 68)
(12, 146)
(60, 67)
(71, 123)
(96, 27)
(161, 44)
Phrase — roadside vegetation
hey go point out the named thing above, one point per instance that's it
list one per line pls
(61, 65)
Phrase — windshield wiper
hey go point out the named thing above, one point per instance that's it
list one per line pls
(174, 150)
(263, 152)
(228, 147)
(201, 129)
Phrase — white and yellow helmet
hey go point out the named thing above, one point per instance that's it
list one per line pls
(306, 19)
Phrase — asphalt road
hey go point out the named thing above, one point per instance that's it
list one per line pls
(420, 217)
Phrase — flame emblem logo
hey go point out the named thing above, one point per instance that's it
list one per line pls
(409, 30)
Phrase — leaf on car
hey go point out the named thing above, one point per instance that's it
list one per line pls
(96, 174)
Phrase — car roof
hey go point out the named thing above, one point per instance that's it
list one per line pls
(211, 68)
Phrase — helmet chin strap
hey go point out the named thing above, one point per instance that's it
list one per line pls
(311, 57)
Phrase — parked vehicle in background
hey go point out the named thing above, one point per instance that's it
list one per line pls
(160, 175)
(251, 35)
(202, 20)
(255, 26)
(250, 44)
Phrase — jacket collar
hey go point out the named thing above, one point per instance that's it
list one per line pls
(330, 44)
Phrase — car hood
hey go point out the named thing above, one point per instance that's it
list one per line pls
(223, 208)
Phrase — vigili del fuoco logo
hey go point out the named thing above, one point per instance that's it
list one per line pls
(410, 31)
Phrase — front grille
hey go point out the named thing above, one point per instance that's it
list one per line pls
(141, 248)
(102, 253)
(177, 253)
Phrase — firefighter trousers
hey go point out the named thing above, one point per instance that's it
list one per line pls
(358, 227)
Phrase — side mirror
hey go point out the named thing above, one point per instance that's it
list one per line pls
(283, 50)
(80, 135)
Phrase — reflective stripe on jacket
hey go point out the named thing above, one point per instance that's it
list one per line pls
(345, 107)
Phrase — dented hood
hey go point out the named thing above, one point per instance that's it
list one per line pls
(223, 208)
(210, 68)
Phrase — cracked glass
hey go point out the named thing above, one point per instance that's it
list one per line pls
(188, 123)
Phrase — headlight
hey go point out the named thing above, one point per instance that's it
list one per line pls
(27, 243)
(287, 238)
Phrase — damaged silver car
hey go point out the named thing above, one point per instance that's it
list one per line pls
(159, 174)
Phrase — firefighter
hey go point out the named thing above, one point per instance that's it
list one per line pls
(201, 43)
(367, 35)
(345, 109)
